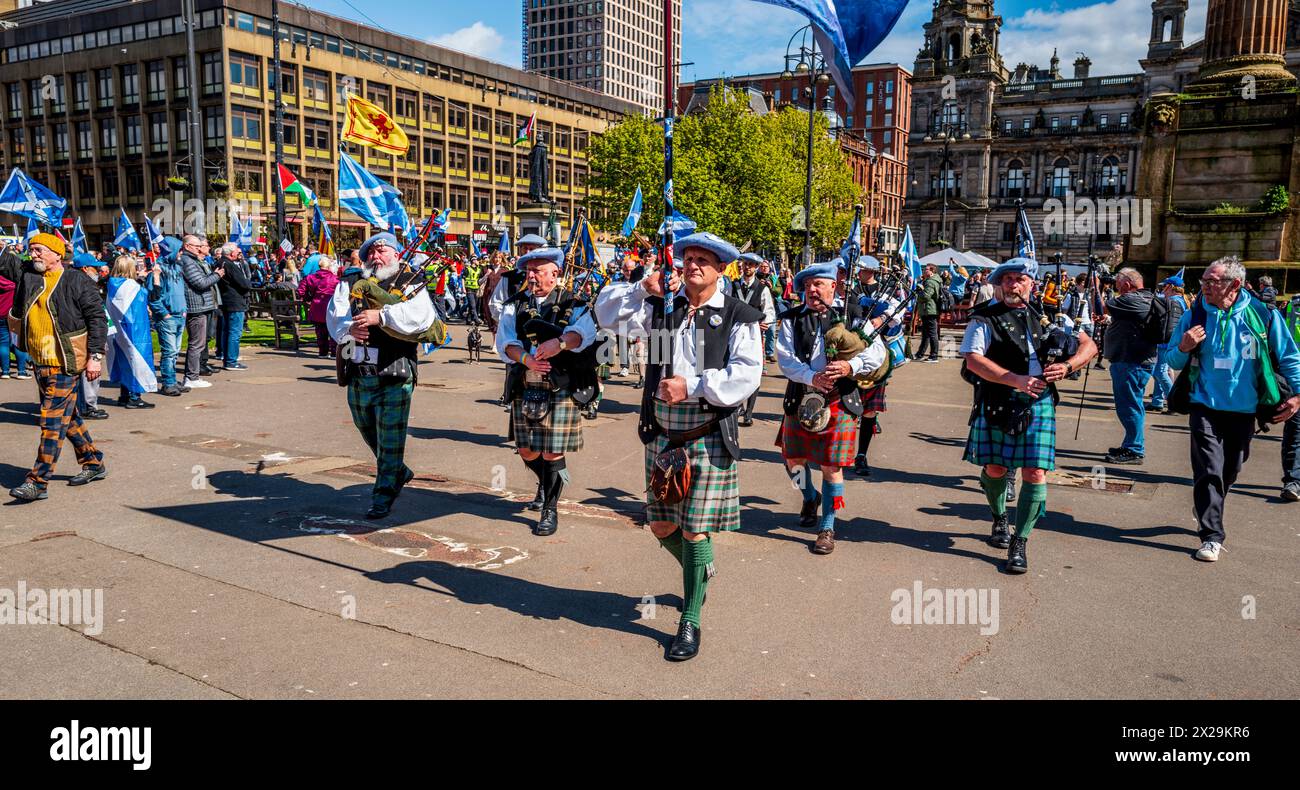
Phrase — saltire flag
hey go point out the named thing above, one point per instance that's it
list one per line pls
(852, 249)
(154, 233)
(369, 125)
(440, 221)
(32, 229)
(32, 199)
(1025, 247)
(504, 246)
(124, 235)
(911, 259)
(320, 231)
(846, 31)
(682, 225)
(362, 193)
(243, 235)
(290, 185)
(474, 251)
(633, 214)
(79, 238)
(397, 217)
(526, 131)
(130, 346)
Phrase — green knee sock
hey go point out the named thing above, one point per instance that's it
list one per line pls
(995, 488)
(1031, 507)
(674, 545)
(697, 555)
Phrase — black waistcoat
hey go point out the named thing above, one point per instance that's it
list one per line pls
(751, 295)
(390, 348)
(716, 348)
(1007, 346)
(806, 325)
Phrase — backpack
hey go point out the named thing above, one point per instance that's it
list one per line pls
(1156, 328)
(946, 300)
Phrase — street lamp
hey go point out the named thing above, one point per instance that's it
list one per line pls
(807, 61)
(948, 132)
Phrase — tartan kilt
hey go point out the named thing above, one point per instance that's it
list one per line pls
(560, 432)
(835, 446)
(713, 503)
(874, 399)
(1033, 449)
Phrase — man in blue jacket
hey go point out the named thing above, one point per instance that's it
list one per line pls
(1224, 337)
(168, 308)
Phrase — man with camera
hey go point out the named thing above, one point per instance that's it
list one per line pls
(1014, 369)
(1135, 322)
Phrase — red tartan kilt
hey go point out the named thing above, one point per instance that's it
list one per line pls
(835, 446)
(874, 399)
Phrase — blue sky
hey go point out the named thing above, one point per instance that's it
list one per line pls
(743, 36)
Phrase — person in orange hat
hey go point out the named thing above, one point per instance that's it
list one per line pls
(61, 324)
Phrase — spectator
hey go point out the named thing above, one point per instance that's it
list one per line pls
(315, 291)
(1267, 293)
(6, 342)
(130, 320)
(929, 301)
(1291, 433)
(234, 289)
(1172, 293)
(985, 291)
(1132, 361)
(201, 300)
(1218, 336)
(1051, 297)
(168, 308)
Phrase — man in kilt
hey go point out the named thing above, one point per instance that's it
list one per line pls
(717, 363)
(513, 280)
(757, 294)
(547, 382)
(379, 368)
(875, 304)
(822, 429)
(1013, 422)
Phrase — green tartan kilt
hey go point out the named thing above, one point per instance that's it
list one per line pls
(1033, 449)
(560, 432)
(713, 504)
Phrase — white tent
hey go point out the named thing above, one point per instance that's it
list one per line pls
(942, 258)
(980, 260)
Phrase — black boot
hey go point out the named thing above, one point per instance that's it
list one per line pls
(536, 504)
(808, 513)
(538, 467)
(686, 644)
(1011, 486)
(554, 485)
(1001, 538)
(1017, 559)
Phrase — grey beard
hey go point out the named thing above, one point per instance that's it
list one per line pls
(39, 265)
(383, 271)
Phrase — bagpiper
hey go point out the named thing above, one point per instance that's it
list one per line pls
(754, 292)
(513, 280)
(1014, 364)
(688, 419)
(822, 356)
(877, 307)
(547, 383)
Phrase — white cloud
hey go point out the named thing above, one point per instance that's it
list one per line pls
(479, 40)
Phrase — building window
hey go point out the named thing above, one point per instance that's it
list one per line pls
(1123, 119)
(214, 128)
(130, 84)
(158, 132)
(86, 186)
(432, 154)
(1006, 125)
(247, 178)
(405, 105)
(1015, 179)
(1074, 122)
(1056, 123)
(107, 137)
(85, 140)
(182, 120)
(14, 92)
(61, 141)
(57, 104)
(80, 91)
(1112, 178)
(245, 124)
(288, 82)
(104, 87)
(1103, 121)
(108, 180)
(316, 135)
(181, 76)
(889, 86)
(156, 75)
(131, 129)
(245, 70)
(1027, 124)
(35, 103)
(1061, 178)
(212, 73)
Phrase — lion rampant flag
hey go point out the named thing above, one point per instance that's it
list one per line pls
(369, 125)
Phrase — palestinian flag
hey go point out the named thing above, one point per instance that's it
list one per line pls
(526, 131)
(290, 185)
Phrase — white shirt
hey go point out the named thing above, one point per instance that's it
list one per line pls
(979, 334)
(795, 369)
(623, 307)
(409, 318)
(584, 325)
(499, 296)
(766, 305)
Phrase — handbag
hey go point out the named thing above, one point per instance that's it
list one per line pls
(670, 474)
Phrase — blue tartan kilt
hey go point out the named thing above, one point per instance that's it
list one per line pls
(1033, 449)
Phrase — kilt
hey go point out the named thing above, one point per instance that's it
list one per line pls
(1033, 449)
(713, 504)
(560, 432)
(874, 399)
(835, 446)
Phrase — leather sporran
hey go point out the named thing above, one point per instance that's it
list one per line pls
(536, 405)
(670, 477)
(814, 414)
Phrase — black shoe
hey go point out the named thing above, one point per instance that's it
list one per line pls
(1113, 450)
(686, 644)
(860, 466)
(1125, 456)
(89, 474)
(536, 504)
(1001, 537)
(1017, 559)
(745, 422)
(137, 403)
(379, 510)
(808, 514)
(549, 522)
(207, 370)
(28, 492)
(1011, 487)
(639, 384)
(407, 476)
(553, 482)
(94, 414)
(171, 391)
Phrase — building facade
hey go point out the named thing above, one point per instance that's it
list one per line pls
(615, 47)
(95, 103)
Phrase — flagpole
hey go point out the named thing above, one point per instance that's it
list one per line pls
(666, 254)
(279, 118)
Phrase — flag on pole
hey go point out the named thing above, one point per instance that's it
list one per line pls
(362, 193)
(682, 225)
(397, 217)
(129, 353)
(474, 251)
(154, 233)
(32, 229)
(242, 234)
(504, 246)
(846, 32)
(369, 125)
(32, 199)
(290, 185)
(79, 238)
(1025, 247)
(526, 131)
(320, 231)
(852, 248)
(124, 235)
(911, 259)
(633, 214)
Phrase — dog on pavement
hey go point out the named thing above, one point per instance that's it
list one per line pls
(475, 343)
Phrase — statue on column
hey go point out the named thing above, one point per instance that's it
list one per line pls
(539, 173)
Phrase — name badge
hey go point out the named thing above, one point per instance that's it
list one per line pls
(1223, 363)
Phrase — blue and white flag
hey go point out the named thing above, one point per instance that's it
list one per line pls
(1025, 247)
(124, 234)
(908, 254)
(129, 354)
(79, 238)
(846, 31)
(33, 227)
(242, 233)
(504, 246)
(25, 197)
(474, 251)
(362, 193)
(633, 214)
(682, 225)
(440, 221)
(852, 249)
(397, 217)
(155, 234)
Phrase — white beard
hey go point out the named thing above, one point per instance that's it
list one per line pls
(383, 271)
(39, 265)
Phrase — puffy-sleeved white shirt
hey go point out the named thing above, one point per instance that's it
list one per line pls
(622, 308)
(411, 317)
(584, 325)
(795, 369)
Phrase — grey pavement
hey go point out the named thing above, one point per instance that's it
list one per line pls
(234, 562)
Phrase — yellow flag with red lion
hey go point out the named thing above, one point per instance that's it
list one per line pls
(369, 125)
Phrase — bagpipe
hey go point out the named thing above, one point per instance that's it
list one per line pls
(844, 342)
(368, 294)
